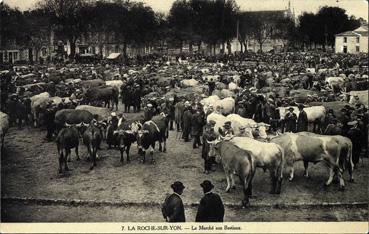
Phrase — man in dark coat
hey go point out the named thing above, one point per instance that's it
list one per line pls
(209, 135)
(302, 120)
(333, 128)
(290, 120)
(49, 117)
(149, 112)
(196, 126)
(187, 117)
(211, 208)
(355, 136)
(211, 85)
(260, 110)
(173, 209)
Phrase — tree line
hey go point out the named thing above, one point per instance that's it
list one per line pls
(189, 22)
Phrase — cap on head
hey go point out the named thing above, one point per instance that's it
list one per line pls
(113, 114)
(149, 105)
(290, 109)
(207, 185)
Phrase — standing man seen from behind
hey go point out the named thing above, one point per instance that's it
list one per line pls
(290, 120)
(211, 85)
(211, 208)
(173, 209)
(302, 120)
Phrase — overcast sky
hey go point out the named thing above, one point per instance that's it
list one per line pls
(358, 8)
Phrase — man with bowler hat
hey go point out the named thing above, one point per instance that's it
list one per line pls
(173, 209)
(290, 120)
(302, 120)
(211, 208)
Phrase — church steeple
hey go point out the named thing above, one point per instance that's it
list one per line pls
(289, 5)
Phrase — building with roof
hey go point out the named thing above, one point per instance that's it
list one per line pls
(352, 42)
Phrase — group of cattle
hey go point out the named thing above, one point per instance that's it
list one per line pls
(78, 121)
(242, 155)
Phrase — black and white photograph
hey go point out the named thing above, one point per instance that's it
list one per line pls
(174, 111)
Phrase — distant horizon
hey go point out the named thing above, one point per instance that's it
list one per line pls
(357, 8)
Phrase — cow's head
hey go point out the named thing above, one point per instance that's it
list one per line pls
(214, 148)
(262, 129)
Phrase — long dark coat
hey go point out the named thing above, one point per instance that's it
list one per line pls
(196, 124)
(290, 122)
(211, 209)
(302, 122)
(187, 117)
(173, 209)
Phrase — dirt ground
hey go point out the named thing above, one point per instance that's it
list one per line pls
(29, 169)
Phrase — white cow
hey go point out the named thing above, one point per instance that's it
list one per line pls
(4, 126)
(232, 86)
(36, 102)
(218, 119)
(211, 100)
(363, 97)
(189, 82)
(114, 83)
(237, 121)
(335, 81)
(227, 105)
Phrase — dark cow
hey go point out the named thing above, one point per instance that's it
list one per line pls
(67, 139)
(127, 135)
(72, 116)
(235, 161)
(149, 133)
(92, 139)
(106, 94)
(92, 83)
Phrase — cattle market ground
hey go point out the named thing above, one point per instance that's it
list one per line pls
(133, 192)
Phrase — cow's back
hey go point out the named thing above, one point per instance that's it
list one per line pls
(68, 138)
(73, 116)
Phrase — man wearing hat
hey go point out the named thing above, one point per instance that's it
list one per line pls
(196, 126)
(302, 120)
(290, 120)
(209, 135)
(187, 117)
(355, 136)
(242, 132)
(113, 126)
(148, 112)
(333, 128)
(172, 208)
(211, 208)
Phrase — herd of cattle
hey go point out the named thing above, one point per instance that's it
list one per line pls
(81, 97)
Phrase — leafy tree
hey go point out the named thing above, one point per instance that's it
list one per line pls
(38, 29)
(67, 19)
(13, 27)
(180, 22)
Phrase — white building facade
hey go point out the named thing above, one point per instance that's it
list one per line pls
(352, 42)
